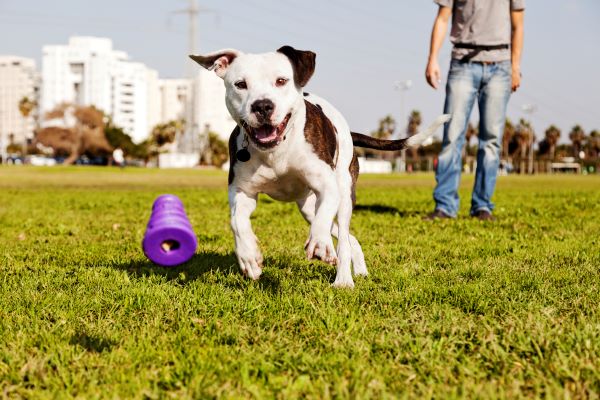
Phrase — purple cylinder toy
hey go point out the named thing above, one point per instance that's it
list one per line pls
(169, 239)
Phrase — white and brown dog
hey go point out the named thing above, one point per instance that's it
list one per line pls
(292, 146)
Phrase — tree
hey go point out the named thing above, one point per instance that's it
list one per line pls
(548, 144)
(522, 143)
(163, 134)
(509, 131)
(26, 106)
(472, 131)
(82, 132)
(414, 121)
(117, 137)
(386, 128)
(593, 144)
(577, 137)
(216, 153)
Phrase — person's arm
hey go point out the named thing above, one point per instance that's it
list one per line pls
(516, 18)
(440, 26)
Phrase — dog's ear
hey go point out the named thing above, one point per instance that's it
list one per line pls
(303, 63)
(218, 61)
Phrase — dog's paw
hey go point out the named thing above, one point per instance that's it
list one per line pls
(251, 264)
(321, 248)
(343, 282)
(358, 265)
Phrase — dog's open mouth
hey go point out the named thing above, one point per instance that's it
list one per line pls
(267, 135)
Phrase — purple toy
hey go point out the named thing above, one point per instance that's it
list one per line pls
(169, 239)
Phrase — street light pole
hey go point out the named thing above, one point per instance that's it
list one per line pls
(402, 87)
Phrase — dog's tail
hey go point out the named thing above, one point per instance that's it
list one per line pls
(360, 140)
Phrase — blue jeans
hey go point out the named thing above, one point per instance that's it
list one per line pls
(490, 85)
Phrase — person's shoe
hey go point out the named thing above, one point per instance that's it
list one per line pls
(484, 215)
(437, 214)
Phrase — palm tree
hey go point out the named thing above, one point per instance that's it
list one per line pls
(523, 138)
(548, 144)
(414, 121)
(593, 144)
(386, 128)
(577, 136)
(163, 134)
(472, 132)
(26, 106)
(509, 132)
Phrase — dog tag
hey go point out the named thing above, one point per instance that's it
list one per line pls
(242, 155)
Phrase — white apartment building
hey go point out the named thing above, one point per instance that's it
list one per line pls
(174, 97)
(18, 79)
(210, 111)
(88, 71)
(200, 100)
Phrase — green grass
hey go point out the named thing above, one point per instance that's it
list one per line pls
(450, 309)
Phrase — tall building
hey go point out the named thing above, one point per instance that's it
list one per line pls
(88, 71)
(174, 98)
(18, 79)
(200, 100)
(210, 112)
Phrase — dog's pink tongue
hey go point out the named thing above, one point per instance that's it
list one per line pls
(266, 133)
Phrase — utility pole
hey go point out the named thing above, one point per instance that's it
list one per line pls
(192, 143)
(192, 12)
(187, 139)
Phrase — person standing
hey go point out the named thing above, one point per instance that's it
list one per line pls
(487, 36)
(118, 157)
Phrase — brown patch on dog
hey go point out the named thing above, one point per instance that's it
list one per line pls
(232, 152)
(302, 61)
(321, 134)
(354, 169)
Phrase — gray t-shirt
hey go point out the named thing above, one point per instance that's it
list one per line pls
(482, 22)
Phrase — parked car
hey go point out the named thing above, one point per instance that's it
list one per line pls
(85, 160)
(14, 159)
(39, 161)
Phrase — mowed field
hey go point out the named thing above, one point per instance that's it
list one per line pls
(451, 309)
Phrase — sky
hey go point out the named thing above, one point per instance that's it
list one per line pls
(363, 48)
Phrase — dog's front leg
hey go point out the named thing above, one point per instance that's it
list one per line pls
(319, 244)
(248, 254)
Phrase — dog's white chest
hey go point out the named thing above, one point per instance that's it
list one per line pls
(281, 182)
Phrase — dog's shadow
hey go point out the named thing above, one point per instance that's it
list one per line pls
(206, 265)
(383, 209)
(199, 265)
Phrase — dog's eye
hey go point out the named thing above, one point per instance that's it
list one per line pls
(281, 82)
(241, 85)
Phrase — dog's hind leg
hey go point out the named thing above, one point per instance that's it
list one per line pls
(246, 247)
(343, 277)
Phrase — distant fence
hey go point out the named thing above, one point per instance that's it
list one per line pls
(511, 165)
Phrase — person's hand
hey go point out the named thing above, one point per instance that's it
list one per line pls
(432, 73)
(516, 78)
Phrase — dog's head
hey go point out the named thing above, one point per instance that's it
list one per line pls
(263, 91)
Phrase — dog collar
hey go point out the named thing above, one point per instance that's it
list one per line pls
(243, 154)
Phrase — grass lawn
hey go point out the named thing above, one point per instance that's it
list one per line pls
(450, 309)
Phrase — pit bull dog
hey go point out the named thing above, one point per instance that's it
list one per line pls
(292, 146)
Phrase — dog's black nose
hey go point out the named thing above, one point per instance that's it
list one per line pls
(263, 108)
